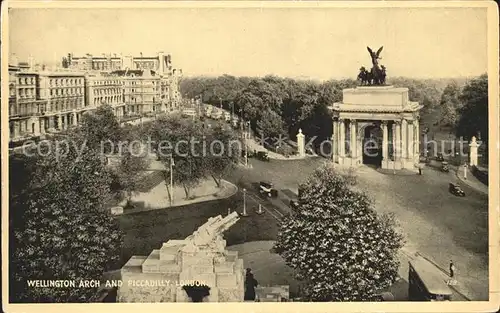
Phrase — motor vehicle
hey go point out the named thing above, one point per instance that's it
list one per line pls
(262, 155)
(268, 189)
(188, 112)
(439, 157)
(445, 167)
(294, 204)
(425, 282)
(456, 190)
(251, 153)
(216, 115)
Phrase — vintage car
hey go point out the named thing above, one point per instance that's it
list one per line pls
(456, 190)
(445, 167)
(268, 188)
(262, 155)
(439, 157)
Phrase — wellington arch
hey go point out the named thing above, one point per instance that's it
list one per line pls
(376, 125)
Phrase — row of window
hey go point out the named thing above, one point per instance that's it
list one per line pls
(26, 80)
(66, 91)
(108, 100)
(65, 81)
(107, 91)
(27, 93)
(106, 82)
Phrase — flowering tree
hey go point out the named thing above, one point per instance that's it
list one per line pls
(340, 248)
(60, 228)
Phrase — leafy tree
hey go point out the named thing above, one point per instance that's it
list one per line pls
(100, 126)
(129, 171)
(340, 248)
(183, 144)
(60, 227)
(474, 113)
(270, 125)
(223, 153)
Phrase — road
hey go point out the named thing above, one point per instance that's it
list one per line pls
(437, 224)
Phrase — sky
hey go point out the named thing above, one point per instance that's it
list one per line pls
(318, 43)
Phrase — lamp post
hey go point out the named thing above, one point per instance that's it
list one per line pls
(171, 180)
(244, 203)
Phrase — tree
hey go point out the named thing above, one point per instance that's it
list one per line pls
(99, 127)
(473, 115)
(223, 154)
(182, 141)
(129, 171)
(271, 125)
(60, 228)
(340, 248)
(450, 104)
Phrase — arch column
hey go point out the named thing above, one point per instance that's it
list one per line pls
(417, 136)
(397, 144)
(335, 140)
(385, 142)
(342, 138)
(411, 141)
(404, 139)
(352, 139)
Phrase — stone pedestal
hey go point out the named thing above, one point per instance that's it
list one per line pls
(473, 146)
(301, 144)
(185, 262)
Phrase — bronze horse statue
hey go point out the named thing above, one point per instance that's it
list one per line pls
(364, 76)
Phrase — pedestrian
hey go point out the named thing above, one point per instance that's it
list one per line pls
(452, 269)
(419, 170)
(250, 284)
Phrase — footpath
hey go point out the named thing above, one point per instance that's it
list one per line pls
(470, 180)
(158, 198)
(253, 145)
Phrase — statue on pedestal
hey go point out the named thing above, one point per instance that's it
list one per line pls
(377, 74)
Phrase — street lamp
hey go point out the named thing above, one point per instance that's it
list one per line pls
(171, 180)
(244, 203)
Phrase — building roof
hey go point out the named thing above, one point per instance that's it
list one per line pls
(139, 73)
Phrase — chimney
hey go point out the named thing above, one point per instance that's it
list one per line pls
(161, 62)
(14, 60)
(31, 62)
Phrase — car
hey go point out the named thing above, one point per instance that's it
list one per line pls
(216, 115)
(262, 155)
(294, 204)
(456, 190)
(439, 157)
(251, 153)
(268, 189)
(444, 167)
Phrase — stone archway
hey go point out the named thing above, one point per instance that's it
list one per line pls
(370, 144)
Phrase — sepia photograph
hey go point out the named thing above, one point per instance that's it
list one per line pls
(236, 152)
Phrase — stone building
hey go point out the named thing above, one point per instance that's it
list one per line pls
(41, 101)
(105, 89)
(24, 104)
(160, 63)
(377, 125)
(65, 96)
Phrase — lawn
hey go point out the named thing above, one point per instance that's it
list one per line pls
(145, 231)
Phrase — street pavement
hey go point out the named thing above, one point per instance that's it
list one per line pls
(437, 224)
